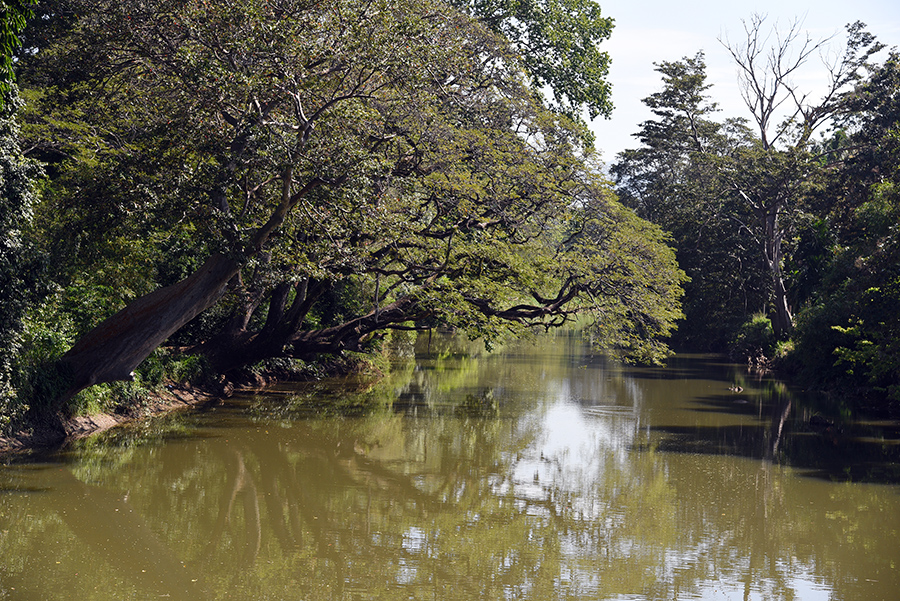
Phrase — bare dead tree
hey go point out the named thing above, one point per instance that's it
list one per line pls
(768, 63)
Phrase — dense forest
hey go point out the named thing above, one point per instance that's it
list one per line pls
(195, 193)
(786, 221)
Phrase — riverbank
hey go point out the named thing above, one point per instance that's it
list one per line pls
(174, 396)
(171, 397)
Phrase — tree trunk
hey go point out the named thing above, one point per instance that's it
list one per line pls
(782, 320)
(229, 353)
(113, 349)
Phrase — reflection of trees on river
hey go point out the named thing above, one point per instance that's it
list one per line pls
(104, 543)
(474, 501)
(368, 506)
(788, 429)
(378, 503)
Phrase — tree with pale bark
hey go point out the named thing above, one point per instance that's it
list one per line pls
(732, 192)
(769, 176)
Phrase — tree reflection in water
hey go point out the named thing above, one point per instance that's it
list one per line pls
(543, 474)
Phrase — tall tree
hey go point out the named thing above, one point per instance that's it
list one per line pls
(672, 180)
(768, 178)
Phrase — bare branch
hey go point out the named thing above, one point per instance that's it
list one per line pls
(766, 71)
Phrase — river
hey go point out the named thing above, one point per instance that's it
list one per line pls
(541, 471)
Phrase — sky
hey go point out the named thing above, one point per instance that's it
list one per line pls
(648, 31)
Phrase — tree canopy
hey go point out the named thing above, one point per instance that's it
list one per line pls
(674, 180)
(291, 179)
(557, 43)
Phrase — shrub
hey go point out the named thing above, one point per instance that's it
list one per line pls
(754, 342)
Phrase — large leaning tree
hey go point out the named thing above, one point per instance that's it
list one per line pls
(255, 160)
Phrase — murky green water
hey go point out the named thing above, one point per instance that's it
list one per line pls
(539, 473)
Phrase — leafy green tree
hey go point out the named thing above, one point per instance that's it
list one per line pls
(21, 267)
(14, 14)
(672, 180)
(557, 42)
(849, 333)
(386, 148)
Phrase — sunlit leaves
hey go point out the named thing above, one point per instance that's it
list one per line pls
(558, 42)
(390, 149)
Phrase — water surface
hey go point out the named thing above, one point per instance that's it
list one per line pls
(539, 472)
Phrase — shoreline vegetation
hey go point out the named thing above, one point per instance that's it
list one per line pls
(171, 395)
(173, 398)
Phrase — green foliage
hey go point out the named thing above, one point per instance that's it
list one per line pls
(755, 342)
(191, 369)
(674, 180)
(848, 334)
(852, 332)
(104, 398)
(161, 369)
(825, 216)
(558, 43)
(345, 299)
(167, 365)
(22, 268)
(754, 215)
(364, 167)
(46, 335)
(809, 257)
(14, 15)
(638, 281)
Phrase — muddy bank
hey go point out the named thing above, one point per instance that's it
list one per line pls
(171, 398)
